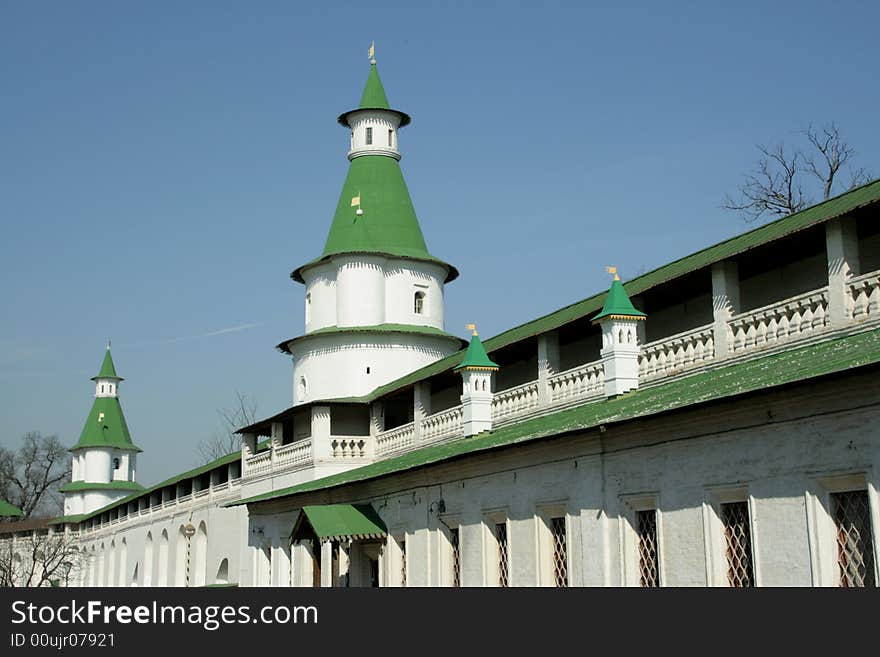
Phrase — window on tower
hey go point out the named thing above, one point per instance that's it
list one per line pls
(116, 464)
(308, 307)
(369, 136)
(390, 138)
(419, 303)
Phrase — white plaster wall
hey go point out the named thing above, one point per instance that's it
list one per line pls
(320, 284)
(381, 122)
(224, 529)
(97, 464)
(360, 291)
(335, 365)
(402, 279)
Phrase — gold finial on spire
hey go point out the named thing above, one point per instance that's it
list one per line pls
(471, 327)
(613, 270)
(371, 53)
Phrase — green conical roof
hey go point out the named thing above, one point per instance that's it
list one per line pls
(476, 356)
(108, 371)
(387, 224)
(374, 93)
(617, 304)
(9, 511)
(106, 427)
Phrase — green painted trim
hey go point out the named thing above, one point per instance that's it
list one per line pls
(8, 510)
(377, 329)
(64, 520)
(75, 486)
(476, 356)
(388, 225)
(765, 373)
(618, 304)
(818, 214)
(106, 427)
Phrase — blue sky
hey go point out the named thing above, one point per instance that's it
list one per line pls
(165, 165)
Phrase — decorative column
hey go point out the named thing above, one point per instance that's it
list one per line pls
(620, 343)
(321, 433)
(421, 406)
(725, 304)
(327, 564)
(476, 399)
(842, 245)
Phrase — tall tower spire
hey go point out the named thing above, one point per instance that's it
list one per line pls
(374, 297)
(104, 458)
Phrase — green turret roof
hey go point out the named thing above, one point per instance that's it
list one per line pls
(617, 304)
(108, 371)
(388, 224)
(374, 93)
(476, 356)
(9, 511)
(105, 427)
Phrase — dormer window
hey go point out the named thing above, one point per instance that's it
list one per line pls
(419, 303)
(369, 136)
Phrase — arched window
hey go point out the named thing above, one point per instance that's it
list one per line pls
(222, 573)
(419, 303)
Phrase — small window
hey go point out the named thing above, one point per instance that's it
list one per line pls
(116, 464)
(738, 544)
(560, 551)
(302, 388)
(369, 136)
(646, 529)
(419, 303)
(102, 387)
(855, 552)
(308, 307)
(390, 138)
(368, 370)
(454, 542)
(503, 565)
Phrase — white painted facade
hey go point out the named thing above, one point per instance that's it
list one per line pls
(374, 132)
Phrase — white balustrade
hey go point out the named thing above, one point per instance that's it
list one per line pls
(675, 352)
(296, 453)
(515, 401)
(796, 317)
(348, 448)
(583, 381)
(445, 424)
(260, 462)
(395, 439)
(864, 301)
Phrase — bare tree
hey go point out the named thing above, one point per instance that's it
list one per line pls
(775, 188)
(39, 557)
(225, 441)
(30, 478)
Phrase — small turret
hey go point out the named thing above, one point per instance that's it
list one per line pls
(476, 399)
(620, 343)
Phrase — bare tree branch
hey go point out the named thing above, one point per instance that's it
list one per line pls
(773, 188)
(831, 153)
(30, 478)
(225, 441)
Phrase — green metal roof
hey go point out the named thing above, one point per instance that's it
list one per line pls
(63, 520)
(189, 474)
(378, 328)
(108, 371)
(617, 303)
(813, 216)
(336, 522)
(374, 93)
(9, 511)
(106, 427)
(476, 356)
(777, 369)
(388, 225)
(74, 486)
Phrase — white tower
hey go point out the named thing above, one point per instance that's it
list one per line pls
(374, 307)
(620, 343)
(104, 459)
(477, 372)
